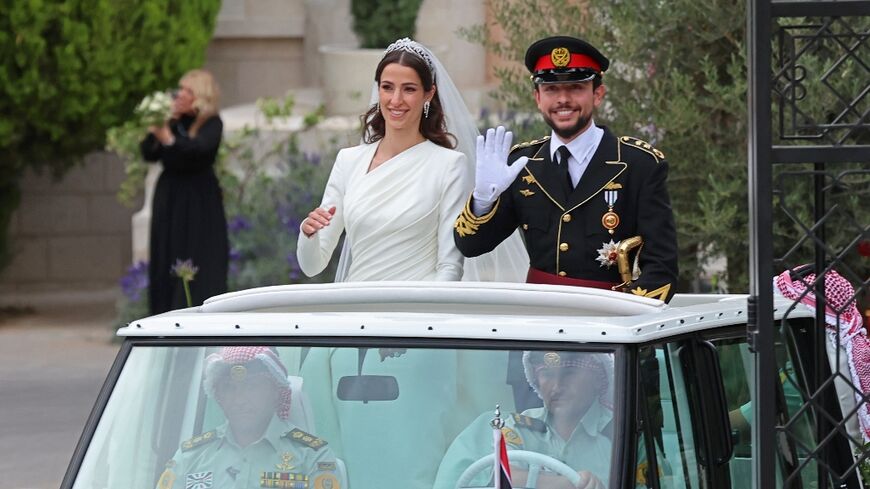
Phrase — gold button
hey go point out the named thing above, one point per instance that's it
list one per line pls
(566, 218)
(562, 274)
(563, 247)
(525, 226)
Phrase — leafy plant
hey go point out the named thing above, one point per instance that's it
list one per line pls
(133, 303)
(124, 141)
(864, 465)
(377, 23)
(70, 69)
(271, 187)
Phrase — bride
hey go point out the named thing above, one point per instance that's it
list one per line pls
(396, 196)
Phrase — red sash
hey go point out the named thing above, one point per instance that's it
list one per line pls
(536, 276)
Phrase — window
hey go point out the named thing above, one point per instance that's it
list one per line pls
(327, 417)
(667, 422)
(736, 364)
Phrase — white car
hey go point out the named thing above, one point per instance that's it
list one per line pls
(393, 385)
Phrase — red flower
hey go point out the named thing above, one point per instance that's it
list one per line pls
(864, 248)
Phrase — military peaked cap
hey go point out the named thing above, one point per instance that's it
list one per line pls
(564, 59)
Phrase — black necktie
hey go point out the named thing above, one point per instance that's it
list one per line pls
(564, 154)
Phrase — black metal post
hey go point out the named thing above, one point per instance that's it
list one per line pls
(760, 238)
(822, 425)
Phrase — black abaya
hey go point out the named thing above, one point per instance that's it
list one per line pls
(187, 216)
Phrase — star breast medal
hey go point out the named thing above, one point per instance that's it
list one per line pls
(608, 253)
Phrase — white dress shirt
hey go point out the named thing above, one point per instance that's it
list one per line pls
(582, 148)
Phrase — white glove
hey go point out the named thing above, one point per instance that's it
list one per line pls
(493, 175)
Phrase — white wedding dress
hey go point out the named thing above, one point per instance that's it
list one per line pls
(398, 221)
(399, 216)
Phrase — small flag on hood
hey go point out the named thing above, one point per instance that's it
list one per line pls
(502, 469)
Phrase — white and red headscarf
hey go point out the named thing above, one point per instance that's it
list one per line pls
(232, 359)
(601, 364)
(844, 324)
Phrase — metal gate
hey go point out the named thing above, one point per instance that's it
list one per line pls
(809, 198)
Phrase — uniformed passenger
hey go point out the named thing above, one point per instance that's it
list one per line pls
(573, 427)
(579, 193)
(256, 447)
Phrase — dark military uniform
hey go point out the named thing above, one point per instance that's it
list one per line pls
(573, 234)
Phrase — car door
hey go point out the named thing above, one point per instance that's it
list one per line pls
(678, 432)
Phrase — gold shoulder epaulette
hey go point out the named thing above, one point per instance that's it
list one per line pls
(199, 440)
(534, 424)
(304, 438)
(642, 145)
(529, 143)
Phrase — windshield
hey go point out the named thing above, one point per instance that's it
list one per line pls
(201, 417)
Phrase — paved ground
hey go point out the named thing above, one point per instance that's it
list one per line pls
(52, 365)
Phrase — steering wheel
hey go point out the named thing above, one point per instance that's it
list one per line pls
(535, 461)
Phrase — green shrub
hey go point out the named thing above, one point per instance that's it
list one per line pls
(70, 69)
(377, 23)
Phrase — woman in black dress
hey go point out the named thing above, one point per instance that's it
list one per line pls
(187, 215)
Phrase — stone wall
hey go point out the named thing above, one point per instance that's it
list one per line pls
(267, 47)
(70, 235)
(258, 49)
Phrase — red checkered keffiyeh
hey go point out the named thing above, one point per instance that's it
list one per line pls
(601, 364)
(218, 364)
(844, 325)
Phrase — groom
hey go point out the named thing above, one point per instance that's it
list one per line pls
(578, 193)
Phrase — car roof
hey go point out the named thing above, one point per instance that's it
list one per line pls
(459, 310)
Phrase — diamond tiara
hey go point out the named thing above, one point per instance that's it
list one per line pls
(406, 44)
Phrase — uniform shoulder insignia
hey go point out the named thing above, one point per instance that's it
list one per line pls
(527, 422)
(167, 479)
(512, 437)
(529, 143)
(198, 440)
(304, 438)
(642, 145)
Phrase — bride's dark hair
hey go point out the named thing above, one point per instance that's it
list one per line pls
(433, 128)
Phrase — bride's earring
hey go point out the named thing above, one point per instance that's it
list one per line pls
(426, 109)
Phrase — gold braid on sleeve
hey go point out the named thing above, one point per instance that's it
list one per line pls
(467, 223)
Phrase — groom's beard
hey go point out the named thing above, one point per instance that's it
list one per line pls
(570, 131)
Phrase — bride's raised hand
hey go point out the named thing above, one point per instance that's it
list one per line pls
(317, 219)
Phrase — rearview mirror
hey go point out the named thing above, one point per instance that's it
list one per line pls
(367, 388)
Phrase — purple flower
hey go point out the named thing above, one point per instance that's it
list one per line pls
(184, 269)
(235, 259)
(288, 219)
(135, 281)
(306, 198)
(294, 266)
(238, 223)
(312, 158)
